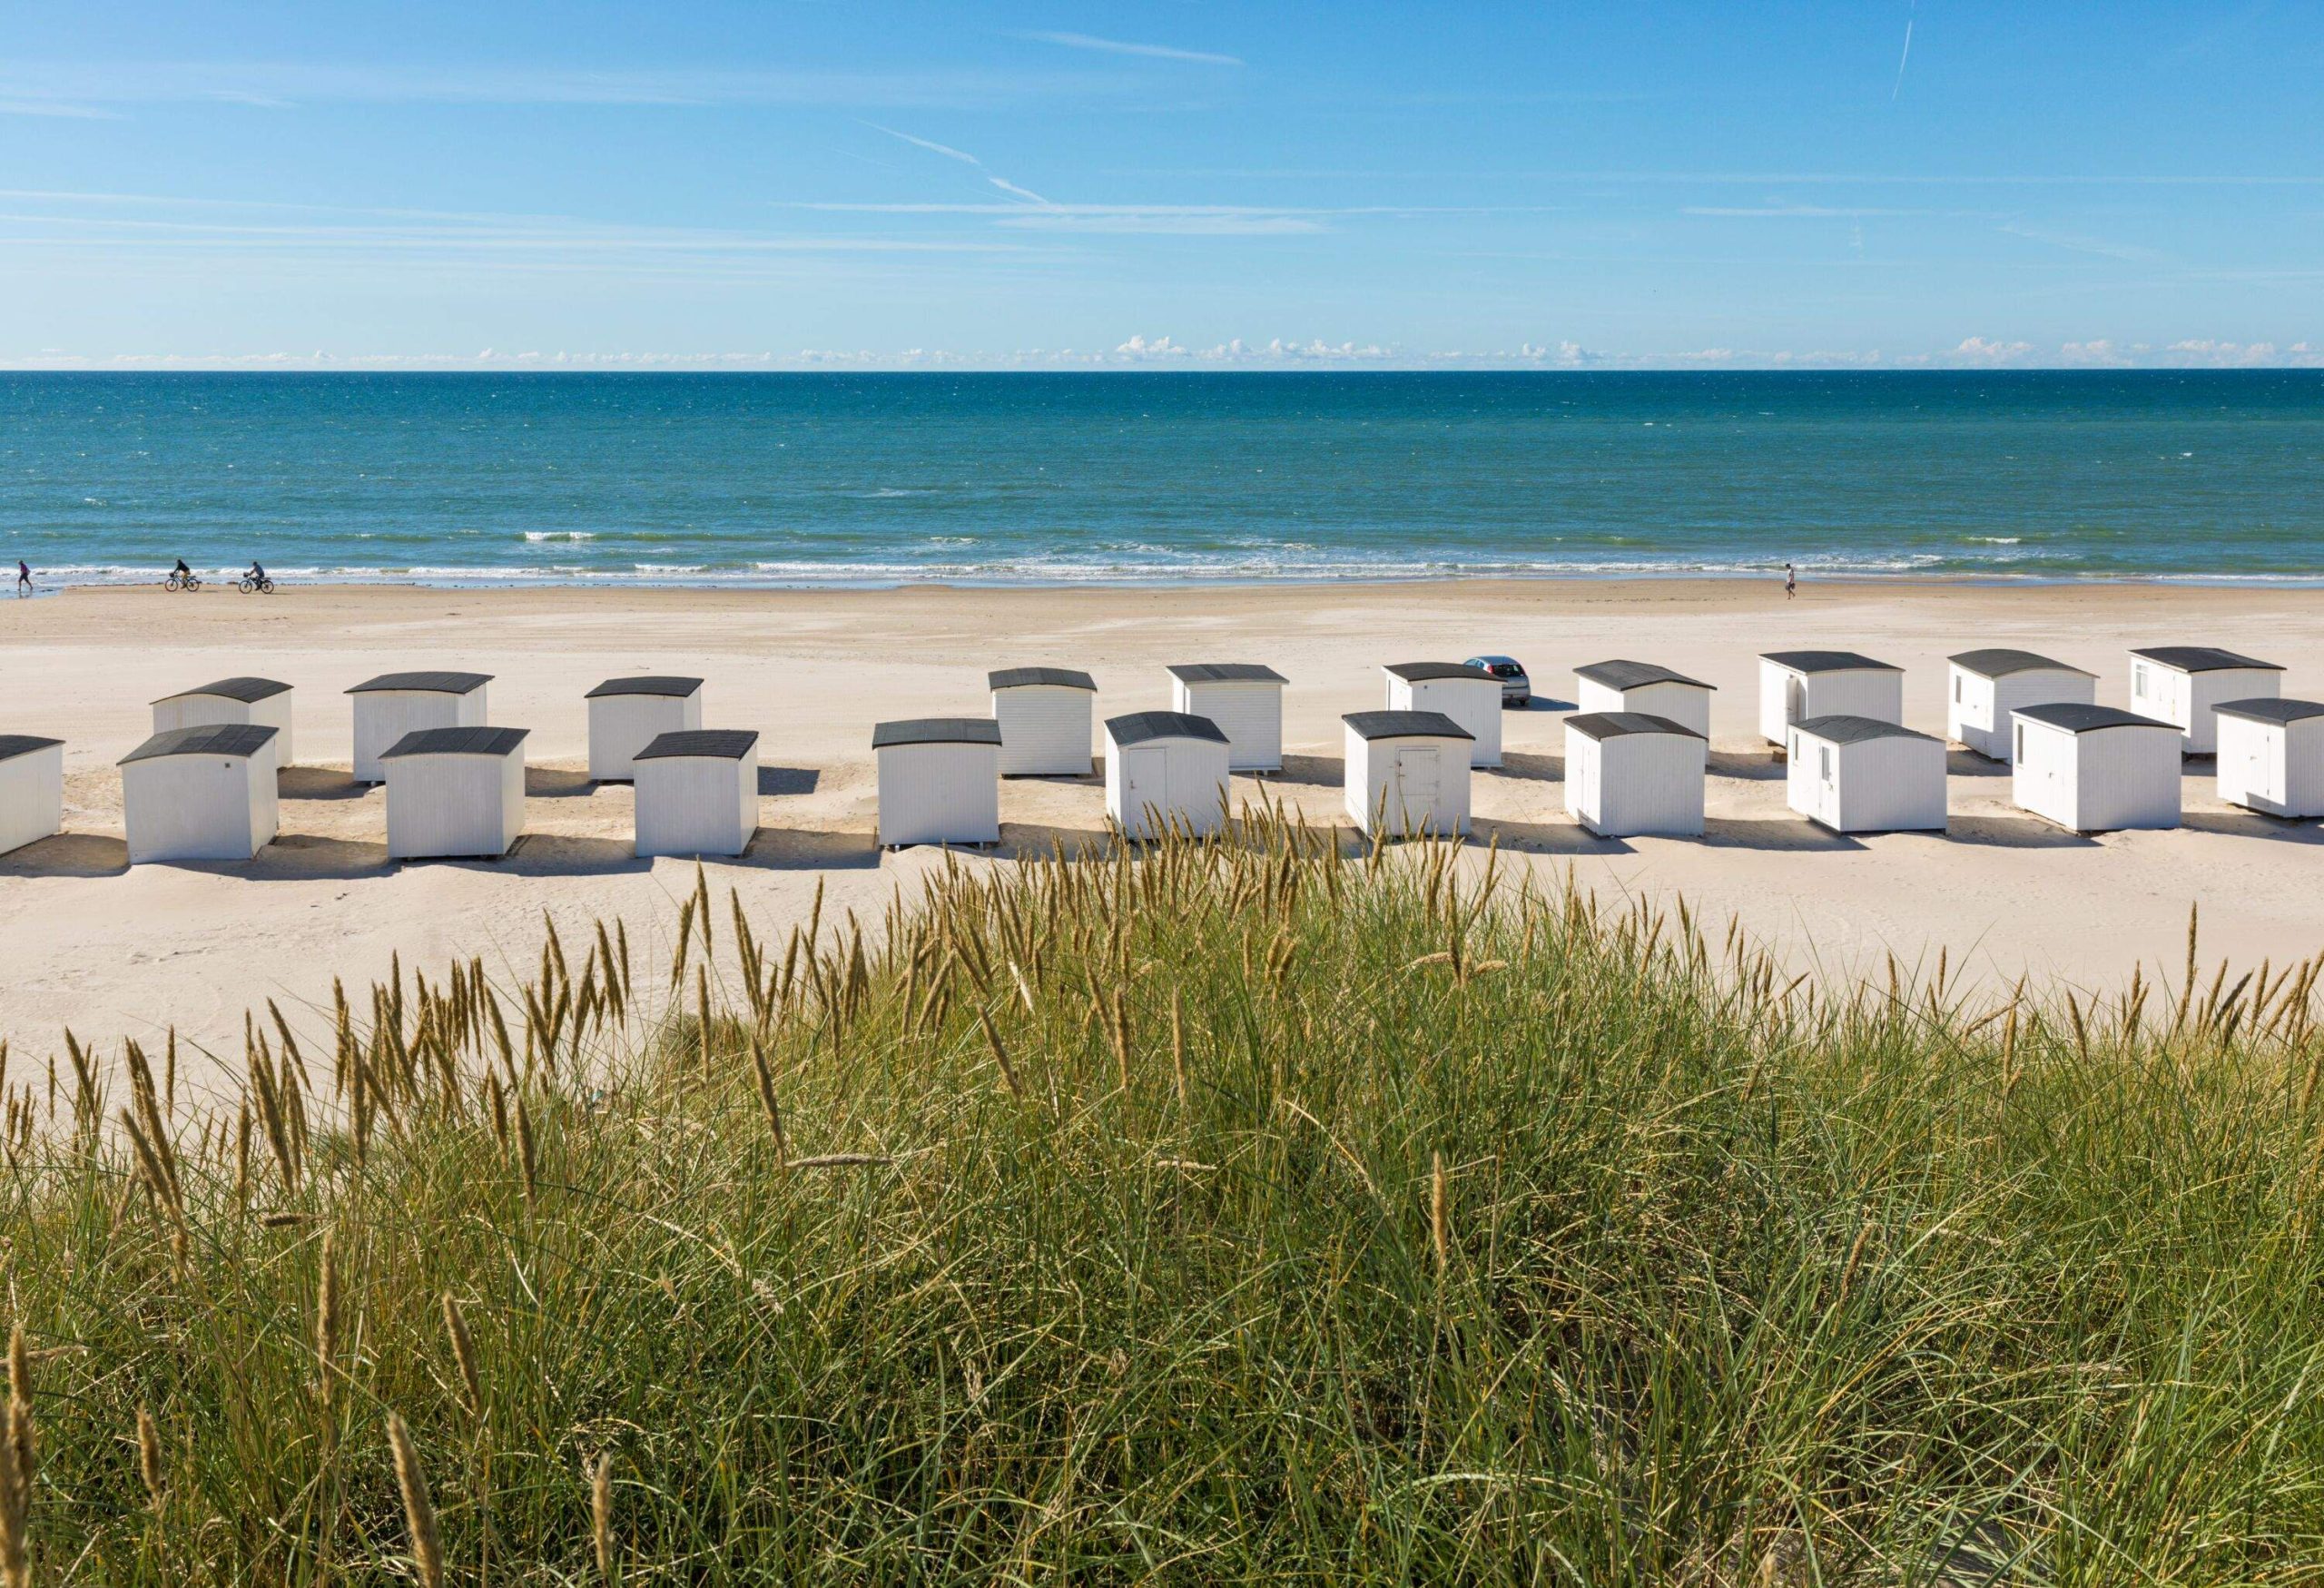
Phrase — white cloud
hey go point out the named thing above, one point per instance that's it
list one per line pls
(1986, 351)
(1082, 41)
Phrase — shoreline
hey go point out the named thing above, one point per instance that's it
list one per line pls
(110, 951)
(290, 580)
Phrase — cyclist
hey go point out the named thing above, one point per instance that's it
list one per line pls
(257, 576)
(181, 571)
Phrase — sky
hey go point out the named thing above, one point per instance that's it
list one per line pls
(763, 184)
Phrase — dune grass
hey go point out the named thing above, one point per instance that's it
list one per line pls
(1222, 1212)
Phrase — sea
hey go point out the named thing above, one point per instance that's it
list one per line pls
(1076, 478)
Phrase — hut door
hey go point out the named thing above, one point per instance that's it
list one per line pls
(1794, 697)
(2263, 773)
(1146, 799)
(1416, 786)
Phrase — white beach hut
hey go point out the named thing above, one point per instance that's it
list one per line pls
(2095, 768)
(394, 704)
(1165, 768)
(939, 781)
(1469, 696)
(1646, 689)
(32, 789)
(2271, 756)
(232, 700)
(1983, 687)
(1044, 714)
(200, 793)
(1862, 775)
(1795, 685)
(1245, 699)
(454, 793)
(698, 792)
(625, 715)
(2185, 684)
(1628, 774)
(1407, 773)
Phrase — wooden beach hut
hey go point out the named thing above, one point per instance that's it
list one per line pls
(1864, 775)
(2271, 756)
(1044, 714)
(394, 704)
(1796, 685)
(1647, 688)
(2095, 768)
(1629, 774)
(2184, 684)
(939, 781)
(32, 790)
(200, 793)
(263, 701)
(454, 793)
(1245, 699)
(625, 715)
(697, 792)
(1984, 686)
(1407, 773)
(1469, 696)
(1164, 769)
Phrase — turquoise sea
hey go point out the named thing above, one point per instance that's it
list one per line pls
(1065, 478)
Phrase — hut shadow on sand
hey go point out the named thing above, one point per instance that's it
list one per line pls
(1526, 764)
(1544, 837)
(2014, 832)
(1779, 833)
(776, 781)
(320, 782)
(1316, 771)
(68, 855)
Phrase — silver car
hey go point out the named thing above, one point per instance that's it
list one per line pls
(1516, 689)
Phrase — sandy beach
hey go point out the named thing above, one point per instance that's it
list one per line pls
(88, 942)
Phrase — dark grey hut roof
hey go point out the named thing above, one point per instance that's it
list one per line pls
(1140, 726)
(14, 745)
(457, 742)
(1024, 678)
(246, 690)
(1618, 674)
(663, 683)
(209, 739)
(1436, 671)
(2202, 658)
(2273, 709)
(1843, 729)
(1404, 724)
(1826, 662)
(2000, 662)
(2077, 718)
(425, 683)
(1615, 725)
(1226, 673)
(937, 730)
(707, 744)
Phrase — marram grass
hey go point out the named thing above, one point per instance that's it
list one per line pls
(1217, 1212)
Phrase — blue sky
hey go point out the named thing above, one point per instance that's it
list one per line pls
(1890, 183)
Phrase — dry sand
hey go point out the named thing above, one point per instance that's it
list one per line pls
(87, 942)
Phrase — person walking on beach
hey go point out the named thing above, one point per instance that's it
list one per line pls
(1790, 582)
(24, 578)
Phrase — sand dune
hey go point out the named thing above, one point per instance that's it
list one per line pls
(85, 941)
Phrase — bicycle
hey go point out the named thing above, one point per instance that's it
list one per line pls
(256, 587)
(184, 582)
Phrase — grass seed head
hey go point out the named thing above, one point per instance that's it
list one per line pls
(419, 1513)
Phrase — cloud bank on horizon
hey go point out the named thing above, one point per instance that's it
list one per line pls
(723, 185)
